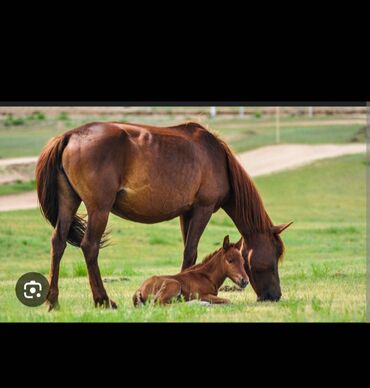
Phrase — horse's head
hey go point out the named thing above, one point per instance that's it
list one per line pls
(262, 252)
(234, 262)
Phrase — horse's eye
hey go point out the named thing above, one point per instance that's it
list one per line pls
(230, 260)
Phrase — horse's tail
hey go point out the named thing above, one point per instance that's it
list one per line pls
(138, 298)
(248, 202)
(47, 168)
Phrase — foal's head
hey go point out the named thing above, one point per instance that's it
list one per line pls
(234, 263)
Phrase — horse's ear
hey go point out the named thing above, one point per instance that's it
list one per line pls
(277, 229)
(226, 243)
(239, 244)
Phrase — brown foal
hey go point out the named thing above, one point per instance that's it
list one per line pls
(201, 281)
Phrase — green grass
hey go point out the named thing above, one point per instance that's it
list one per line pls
(28, 138)
(17, 187)
(323, 275)
(244, 137)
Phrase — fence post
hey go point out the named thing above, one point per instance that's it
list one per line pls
(241, 112)
(310, 111)
(277, 124)
(213, 111)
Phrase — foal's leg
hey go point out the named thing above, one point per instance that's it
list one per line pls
(97, 222)
(68, 203)
(214, 299)
(170, 289)
(197, 221)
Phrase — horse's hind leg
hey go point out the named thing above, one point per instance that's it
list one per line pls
(68, 203)
(97, 222)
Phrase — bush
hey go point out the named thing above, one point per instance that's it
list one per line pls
(63, 116)
(36, 116)
(10, 120)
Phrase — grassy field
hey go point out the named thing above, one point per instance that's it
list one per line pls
(323, 275)
(27, 136)
(17, 187)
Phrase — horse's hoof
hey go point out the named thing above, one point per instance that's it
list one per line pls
(113, 305)
(52, 305)
(106, 303)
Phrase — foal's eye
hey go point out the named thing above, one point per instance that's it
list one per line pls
(230, 260)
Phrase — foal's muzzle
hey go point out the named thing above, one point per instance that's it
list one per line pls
(243, 283)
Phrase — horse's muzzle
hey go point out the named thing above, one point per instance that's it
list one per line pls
(269, 296)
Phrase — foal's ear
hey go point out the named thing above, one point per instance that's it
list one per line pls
(277, 229)
(226, 243)
(239, 244)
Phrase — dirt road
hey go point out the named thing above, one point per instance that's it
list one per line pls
(271, 159)
(262, 161)
(17, 169)
(18, 201)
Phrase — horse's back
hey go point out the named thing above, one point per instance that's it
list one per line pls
(157, 173)
(107, 137)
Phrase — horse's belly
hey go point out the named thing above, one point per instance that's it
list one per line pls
(148, 206)
(157, 187)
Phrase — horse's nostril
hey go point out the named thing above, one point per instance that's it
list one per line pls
(273, 297)
(269, 296)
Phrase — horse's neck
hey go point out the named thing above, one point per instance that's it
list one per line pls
(214, 271)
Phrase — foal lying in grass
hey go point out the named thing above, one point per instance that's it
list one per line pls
(200, 281)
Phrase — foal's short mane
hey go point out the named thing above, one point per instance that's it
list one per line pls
(206, 260)
(210, 256)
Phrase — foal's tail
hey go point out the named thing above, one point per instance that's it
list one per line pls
(47, 168)
(138, 299)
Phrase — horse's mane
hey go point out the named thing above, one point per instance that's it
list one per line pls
(249, 204)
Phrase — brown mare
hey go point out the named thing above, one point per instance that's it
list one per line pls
(149, 174)
(201, 281)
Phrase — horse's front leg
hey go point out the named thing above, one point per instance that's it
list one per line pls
(196, 221)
